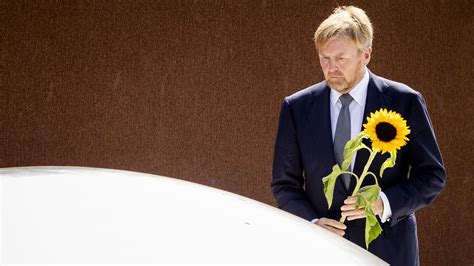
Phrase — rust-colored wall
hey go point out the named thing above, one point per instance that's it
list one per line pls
(192, 89)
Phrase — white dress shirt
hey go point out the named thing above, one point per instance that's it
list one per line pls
(356, 109)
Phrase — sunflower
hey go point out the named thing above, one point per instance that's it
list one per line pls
(387, 130)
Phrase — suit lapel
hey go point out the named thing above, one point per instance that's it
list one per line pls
(321, 126)
(320, 123)
(375, 100)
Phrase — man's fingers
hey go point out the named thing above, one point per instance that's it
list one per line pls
(334, 230)
(333, 223)
(350, 218)
(353, 212)
(358, 212)
(337, 232)
(350, 200)
(337, 225)
(348, 207)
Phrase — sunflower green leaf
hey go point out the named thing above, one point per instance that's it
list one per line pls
(329, 182)
(390, 162)
(351, 147)
(366, 197)
(372, 229)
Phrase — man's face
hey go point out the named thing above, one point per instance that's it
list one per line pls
(343, 63)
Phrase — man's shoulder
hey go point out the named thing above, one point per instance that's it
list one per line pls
(307, 94)
(394, 88)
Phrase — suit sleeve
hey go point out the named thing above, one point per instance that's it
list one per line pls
(427, 176)
(287, 175)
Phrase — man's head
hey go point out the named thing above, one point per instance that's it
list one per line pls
(344, 44)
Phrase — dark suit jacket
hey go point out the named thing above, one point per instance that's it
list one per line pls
(304, 154)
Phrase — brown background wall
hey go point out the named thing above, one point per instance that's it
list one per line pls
(192, 89)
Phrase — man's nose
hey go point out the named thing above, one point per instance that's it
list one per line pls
(333, 65)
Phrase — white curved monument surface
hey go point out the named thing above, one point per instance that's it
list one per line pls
(88, 215)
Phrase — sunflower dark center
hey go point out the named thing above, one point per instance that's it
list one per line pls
(385, 131)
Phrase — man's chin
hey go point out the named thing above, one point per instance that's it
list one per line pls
(339, 87)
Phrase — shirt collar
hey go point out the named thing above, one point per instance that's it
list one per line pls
(358, 93)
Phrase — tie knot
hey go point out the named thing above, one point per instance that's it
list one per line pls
(345, 99)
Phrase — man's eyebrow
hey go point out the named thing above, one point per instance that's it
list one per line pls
(341, 54)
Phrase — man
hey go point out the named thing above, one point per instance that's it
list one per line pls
(308, 144)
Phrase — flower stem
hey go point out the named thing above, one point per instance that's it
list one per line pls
(361, 178)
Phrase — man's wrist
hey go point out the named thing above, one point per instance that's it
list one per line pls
(387, 211)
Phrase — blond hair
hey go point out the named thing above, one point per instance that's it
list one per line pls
(346, 21)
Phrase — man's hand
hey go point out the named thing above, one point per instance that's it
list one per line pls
(332, 225)
(349, 210)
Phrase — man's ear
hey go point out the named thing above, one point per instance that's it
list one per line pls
(367, 55)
